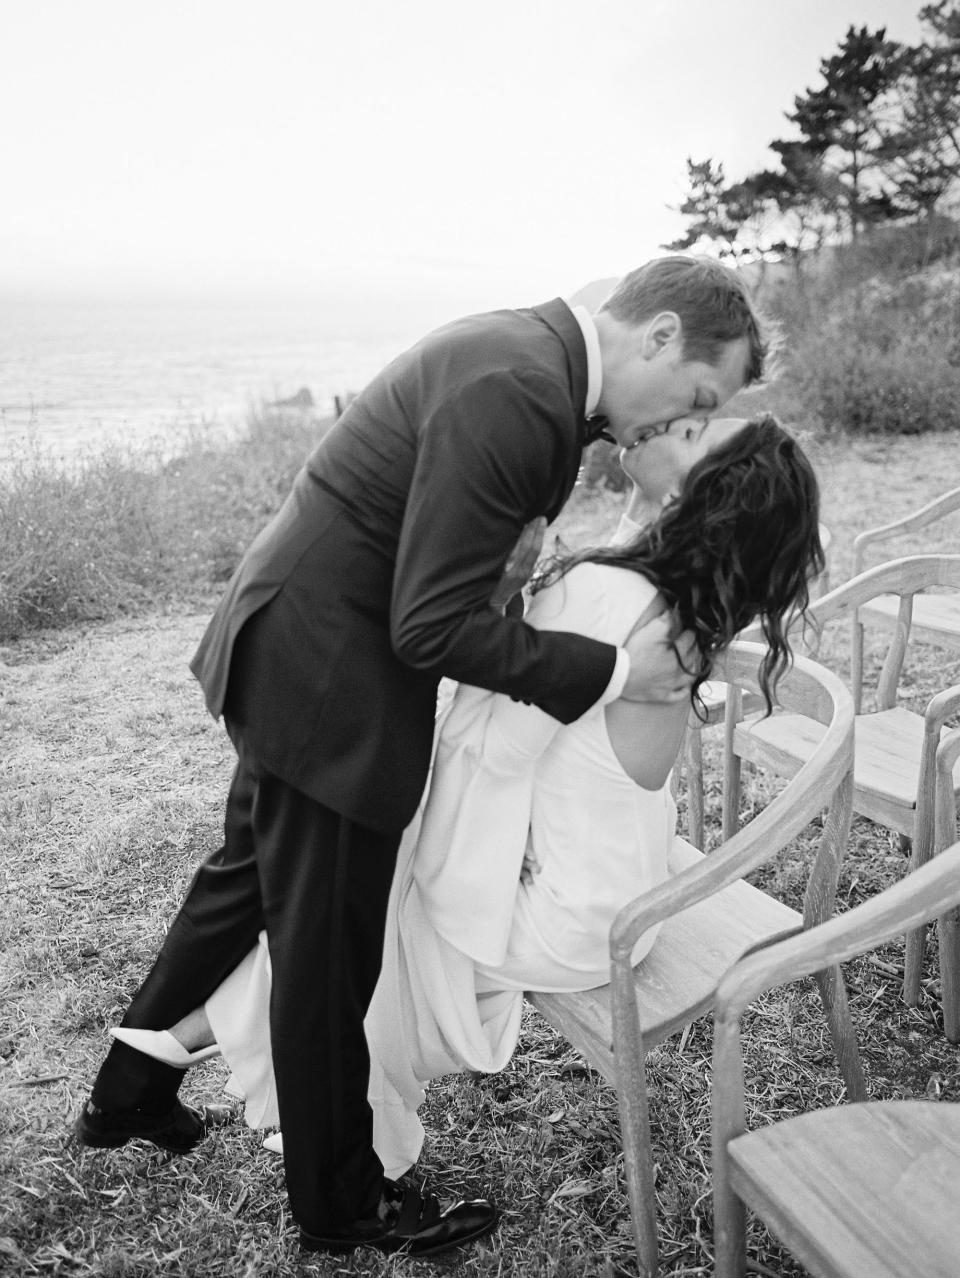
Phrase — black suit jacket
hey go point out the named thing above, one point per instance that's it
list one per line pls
(374, 578)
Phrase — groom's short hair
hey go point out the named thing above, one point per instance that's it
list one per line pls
(711, 300)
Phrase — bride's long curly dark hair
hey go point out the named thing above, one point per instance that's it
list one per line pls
(740, 542)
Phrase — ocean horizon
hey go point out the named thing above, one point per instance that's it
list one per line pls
(80, 371)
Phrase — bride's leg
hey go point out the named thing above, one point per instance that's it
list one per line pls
(165, 1046)
(237, 1017)
(193, 1030)
(190, 1039)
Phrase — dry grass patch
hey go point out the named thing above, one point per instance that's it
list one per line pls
(112, 780)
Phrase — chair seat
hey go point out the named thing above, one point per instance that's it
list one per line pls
(677, 980)
(886, 759)
(860, 1191)
(936, 618)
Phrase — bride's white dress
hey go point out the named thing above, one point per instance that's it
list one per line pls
(465, 937)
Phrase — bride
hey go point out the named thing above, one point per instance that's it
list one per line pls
(532, 835)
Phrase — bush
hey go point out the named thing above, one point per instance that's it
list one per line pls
(872, 344)
(865, 386)
(121, 529)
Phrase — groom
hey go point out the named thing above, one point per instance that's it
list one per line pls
(372, 582)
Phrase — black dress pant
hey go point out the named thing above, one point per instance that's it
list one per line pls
(319, 884)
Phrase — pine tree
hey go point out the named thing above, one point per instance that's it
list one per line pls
(842, 123)
(921, 153)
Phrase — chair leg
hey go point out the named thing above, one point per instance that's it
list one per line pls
(916, 942)
(913, 965)
(818, 903)
(628, 1055)
(638, 1163)
(731, 795)
(948, 928)
(695, 831)
(833, 995)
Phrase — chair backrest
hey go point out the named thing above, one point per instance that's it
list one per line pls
(937, 509)
(820, 584)
(903, 577)
(809, 689)
(921, 896)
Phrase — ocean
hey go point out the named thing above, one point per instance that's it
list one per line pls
(78, 371)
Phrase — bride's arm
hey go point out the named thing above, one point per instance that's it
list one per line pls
(646, 736)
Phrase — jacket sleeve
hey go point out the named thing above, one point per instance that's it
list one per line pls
(491, 457)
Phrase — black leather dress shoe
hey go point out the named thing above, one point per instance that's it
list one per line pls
(178, 1130)
(410, 1221)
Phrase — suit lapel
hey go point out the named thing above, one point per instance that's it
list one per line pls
(559, 318)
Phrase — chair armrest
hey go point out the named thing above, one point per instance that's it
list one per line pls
(923, 895)
(819, 779)
(945, 805)
(867, 538)
(908, 523)
(933, 793)
(941, 707)
(763, 839)
(898, 576)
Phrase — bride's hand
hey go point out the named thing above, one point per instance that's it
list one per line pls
(532, 865)
(657, 662)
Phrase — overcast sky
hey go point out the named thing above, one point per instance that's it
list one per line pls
(467, 145)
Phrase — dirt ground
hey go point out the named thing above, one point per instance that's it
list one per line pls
(112, 777)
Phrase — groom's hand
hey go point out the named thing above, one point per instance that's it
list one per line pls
(520, 564)
(656, 672)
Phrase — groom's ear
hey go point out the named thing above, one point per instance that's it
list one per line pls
(663, 333)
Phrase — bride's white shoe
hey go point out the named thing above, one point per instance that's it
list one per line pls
(162, 1046)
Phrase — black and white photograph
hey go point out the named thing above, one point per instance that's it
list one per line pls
(479, 639)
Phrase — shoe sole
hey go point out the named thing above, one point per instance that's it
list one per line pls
(97, 1140)
(87, 1135)
(480, 1232)
(394, 1245)
(83, 1136)
(94, 1140)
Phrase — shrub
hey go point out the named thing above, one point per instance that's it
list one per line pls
(864, 387)
(875, 350)
(119, 529)
(73, 546)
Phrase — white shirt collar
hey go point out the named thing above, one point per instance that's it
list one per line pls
(594, 365)
(627, 530)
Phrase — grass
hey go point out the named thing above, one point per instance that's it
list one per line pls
(119, 530)
(112, 780)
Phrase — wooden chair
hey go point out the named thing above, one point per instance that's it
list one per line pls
(857, 1191)
(948, 925)
(709, 916)
(936, 618)
(895, 766)
(714, 696)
